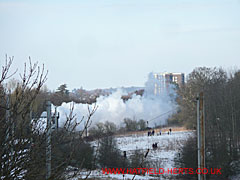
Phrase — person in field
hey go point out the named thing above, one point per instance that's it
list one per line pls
(154, 145)
(153, 132)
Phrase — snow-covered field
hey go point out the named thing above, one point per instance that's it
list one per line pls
(161, 157)
(168, 146)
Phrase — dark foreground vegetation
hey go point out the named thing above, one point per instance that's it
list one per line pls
(222, 115)
(23, 145)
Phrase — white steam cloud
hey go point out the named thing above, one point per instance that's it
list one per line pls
(113, 109)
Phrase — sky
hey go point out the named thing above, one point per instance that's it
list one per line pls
(113, 43)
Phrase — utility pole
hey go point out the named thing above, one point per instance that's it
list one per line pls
(48, 141)
(201, 135)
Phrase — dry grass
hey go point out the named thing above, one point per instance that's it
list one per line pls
(157, 130)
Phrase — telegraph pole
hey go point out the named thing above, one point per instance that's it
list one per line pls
(201, 135)
(48, 141)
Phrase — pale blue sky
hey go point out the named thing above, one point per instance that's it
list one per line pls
(100, 43)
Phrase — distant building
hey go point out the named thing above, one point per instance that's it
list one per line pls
(164, 80)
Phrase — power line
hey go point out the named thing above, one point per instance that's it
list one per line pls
(163, 114)
(160, 115)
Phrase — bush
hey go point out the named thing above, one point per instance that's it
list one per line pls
(109, 155)
(130, 125)
(102, 129)
(142, 124)
(78, 153)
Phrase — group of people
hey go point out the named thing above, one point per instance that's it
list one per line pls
(151, 133)
(154, 145)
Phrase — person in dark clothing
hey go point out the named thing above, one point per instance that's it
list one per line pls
(170, 130)
(124, 154)
(153, 132)
(154, 145)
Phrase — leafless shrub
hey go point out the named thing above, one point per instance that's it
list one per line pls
(22, 144)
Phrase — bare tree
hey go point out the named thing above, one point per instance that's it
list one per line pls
(221, 99)
(22, 144)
